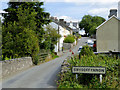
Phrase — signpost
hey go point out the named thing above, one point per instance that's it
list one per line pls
(89, 70)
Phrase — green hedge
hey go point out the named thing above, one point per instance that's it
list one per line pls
(86, 50)
(110, 79)
(69, 39)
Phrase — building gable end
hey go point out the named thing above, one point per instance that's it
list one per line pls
(107, 21)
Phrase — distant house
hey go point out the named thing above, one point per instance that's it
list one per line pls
(63, 30)
(108, 35)
(74, 25)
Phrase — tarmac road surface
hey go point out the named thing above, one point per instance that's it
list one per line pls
(43, 75)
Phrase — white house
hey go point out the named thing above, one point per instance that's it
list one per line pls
(74, 25)
(63, 30)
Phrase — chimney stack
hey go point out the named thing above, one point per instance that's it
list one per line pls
(61, 21)
(119, 9)
(113, 12)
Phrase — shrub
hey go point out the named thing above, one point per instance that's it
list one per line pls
(110, 79)
(20, 44)
(78, 36)
(86, 50)
(6, 58)
(69, 39)
(36, 59)
(54, 56)
(67, 84)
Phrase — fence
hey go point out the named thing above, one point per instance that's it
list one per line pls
(43, 54)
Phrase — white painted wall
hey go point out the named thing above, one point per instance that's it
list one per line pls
(56, 48)
(63, 32)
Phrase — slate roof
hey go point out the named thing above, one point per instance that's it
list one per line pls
(61, 24)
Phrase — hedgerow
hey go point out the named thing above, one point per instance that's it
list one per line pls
(69, 39)
(110, 79)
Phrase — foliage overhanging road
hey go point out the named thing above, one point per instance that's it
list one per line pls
(42, 76)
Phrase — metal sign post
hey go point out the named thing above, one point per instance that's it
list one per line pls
(76, 76)
(100, 78)
(89, 70)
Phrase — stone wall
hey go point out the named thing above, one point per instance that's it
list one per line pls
(65, 65)
(11, 66)
(67, 46)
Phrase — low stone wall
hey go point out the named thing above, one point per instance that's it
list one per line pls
(65, 65)
(67, 46)
(11, 66)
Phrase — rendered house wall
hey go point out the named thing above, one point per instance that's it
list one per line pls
(107, 36)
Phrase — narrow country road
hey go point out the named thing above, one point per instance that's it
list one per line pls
(42, 76)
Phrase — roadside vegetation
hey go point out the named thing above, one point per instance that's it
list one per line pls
(90, 23)
(23, 32)
(78, 36)
(110, 79)
(54, 56)
(69, 39)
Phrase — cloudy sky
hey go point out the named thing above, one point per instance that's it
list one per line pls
(74, 10)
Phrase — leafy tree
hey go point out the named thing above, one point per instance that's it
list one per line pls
(41, 17)
(50, 38)
(92, 30)
(89, 23)
(23, 29)
(85, 23)
(86, 50)
(18, 38)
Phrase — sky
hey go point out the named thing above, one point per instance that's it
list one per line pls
(74, 10)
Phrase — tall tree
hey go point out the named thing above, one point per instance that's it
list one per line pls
(85, 23)
(19, 38)
(23, 29)
(42, 17)
(89, 23)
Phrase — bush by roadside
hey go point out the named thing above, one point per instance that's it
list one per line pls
(69, 39)
(110, 79)
(54, 55)
(86, 50)
(78, 36)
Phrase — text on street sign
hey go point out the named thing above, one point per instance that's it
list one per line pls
(89, 70)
